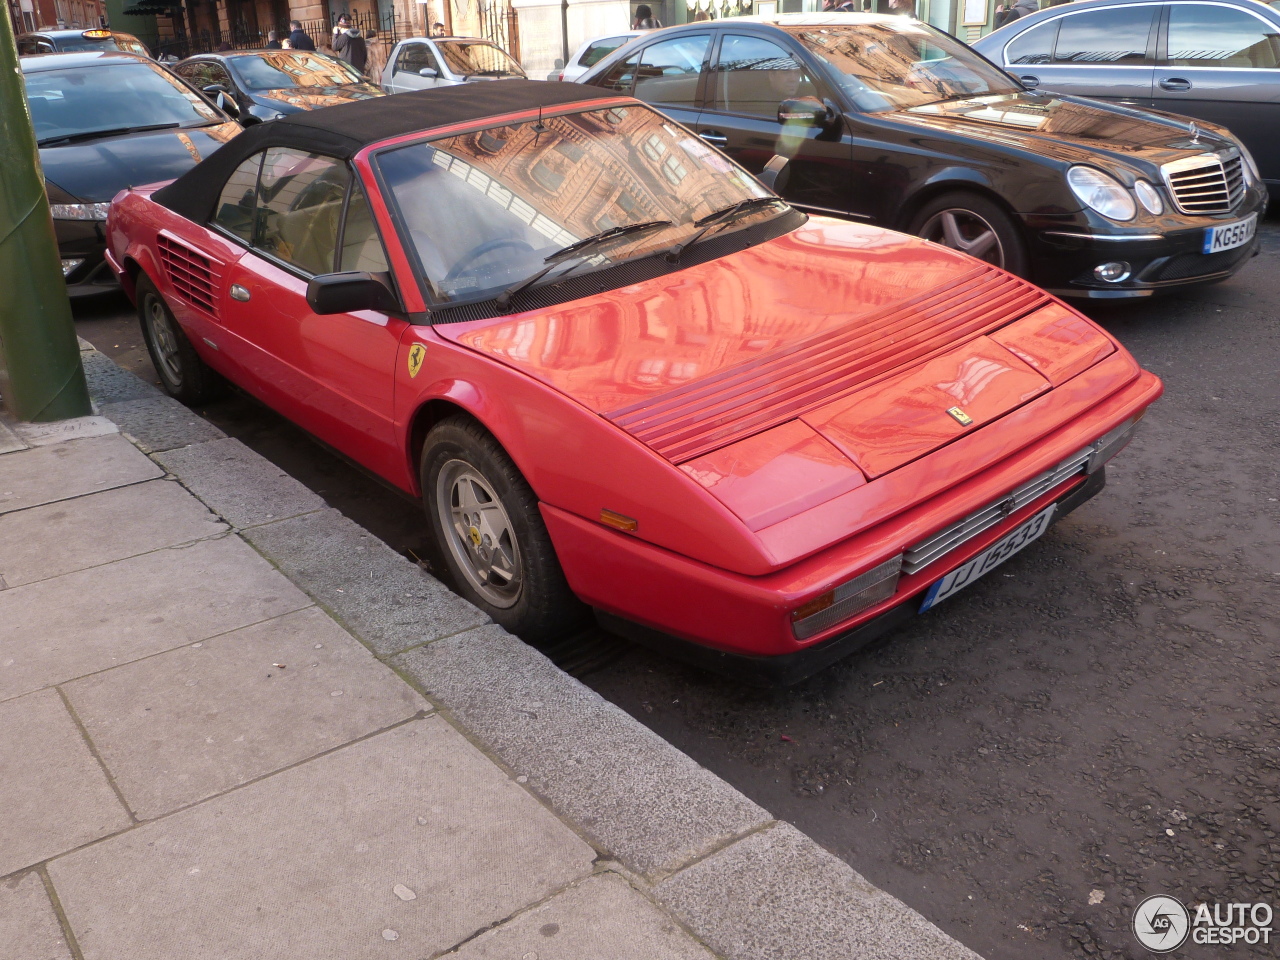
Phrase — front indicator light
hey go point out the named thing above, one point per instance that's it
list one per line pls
(1102, 192)
(69, 265)
(1111, 443)
(851, 597)
(618, 521)
(80, 211)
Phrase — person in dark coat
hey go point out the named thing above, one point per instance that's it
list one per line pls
(1024, 8)
(349, 45)
(645, 20)
(273, 40)
(298, 38)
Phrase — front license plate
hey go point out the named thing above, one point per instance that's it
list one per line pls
(989, 559)
(1229, 236)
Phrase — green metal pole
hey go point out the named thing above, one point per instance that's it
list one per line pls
(40, 373)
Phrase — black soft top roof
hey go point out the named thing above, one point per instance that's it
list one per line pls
(342, 131)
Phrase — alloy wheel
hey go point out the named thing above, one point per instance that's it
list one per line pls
(479, 533)
(966, 231)
(166, 343)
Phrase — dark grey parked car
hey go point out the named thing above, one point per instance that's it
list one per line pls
(1214, 60)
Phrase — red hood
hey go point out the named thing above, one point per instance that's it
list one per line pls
(794, 328)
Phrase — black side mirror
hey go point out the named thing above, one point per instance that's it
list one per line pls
(351, 291)
(214, 89)
(428, 72)
(805, 111)
(775, 173)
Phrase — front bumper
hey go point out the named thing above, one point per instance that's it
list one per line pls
(1163, 259)
(85, 240)
(789, 668)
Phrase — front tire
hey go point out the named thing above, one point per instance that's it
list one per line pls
(183, 374)
(976, 225)
(490, 535)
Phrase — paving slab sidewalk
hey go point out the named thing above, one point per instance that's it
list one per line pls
(236, 725)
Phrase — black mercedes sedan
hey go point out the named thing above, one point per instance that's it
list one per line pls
(106, 121)
(262, 85)
(890, 121)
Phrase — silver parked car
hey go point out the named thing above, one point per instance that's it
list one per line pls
(592, 52)
(1212, 60)
(420, 63)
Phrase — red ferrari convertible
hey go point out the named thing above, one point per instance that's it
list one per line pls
(621, 374)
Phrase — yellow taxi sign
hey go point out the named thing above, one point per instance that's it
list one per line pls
(96, 34)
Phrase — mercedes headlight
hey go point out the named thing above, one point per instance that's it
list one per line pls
(1251, 173)
(1102, 192)
(80, 211)
(1149, 197)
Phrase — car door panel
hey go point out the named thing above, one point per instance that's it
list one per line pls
(750, 79)
(1222, 65)
(1106, 53)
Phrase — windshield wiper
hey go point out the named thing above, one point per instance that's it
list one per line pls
(719, 218)
(94, 134)
(575, 249)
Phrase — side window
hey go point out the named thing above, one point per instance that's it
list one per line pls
(300, 200)
(1205, 36)
(1114, 35)
(26, 46)
(1034, 45)
(218, 74)
(600, 49)
(620, 76)
(753, 76)
(238, 200)
(669, 70)
(361, 248)
(415, 57)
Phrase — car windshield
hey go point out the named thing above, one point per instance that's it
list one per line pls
(900, 64)
(485, 209)
(288, 69)
(478, 59)
(116, 96)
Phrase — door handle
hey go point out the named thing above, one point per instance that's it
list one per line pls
(239, 293)
(1029, 81)
(1175, 83)
(714, 137)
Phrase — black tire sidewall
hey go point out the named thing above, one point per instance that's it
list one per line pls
(546, 607)
(1011, 237)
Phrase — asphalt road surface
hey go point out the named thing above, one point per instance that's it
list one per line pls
(1095, 721)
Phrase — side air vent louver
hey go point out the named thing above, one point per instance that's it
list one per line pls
(193, 275)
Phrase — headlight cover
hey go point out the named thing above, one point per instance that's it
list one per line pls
(1101, 192)
(1251, 173)
(1149, 197)
(80, 211)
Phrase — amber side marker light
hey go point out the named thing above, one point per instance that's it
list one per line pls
(618, 521)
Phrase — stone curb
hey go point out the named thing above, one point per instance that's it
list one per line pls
(747, 885)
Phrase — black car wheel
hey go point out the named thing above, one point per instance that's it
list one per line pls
(974, 225)
(183, 374)
(490, 535)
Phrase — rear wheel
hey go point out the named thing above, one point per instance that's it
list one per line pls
(975, 225)
(490, 535)
(183, 374)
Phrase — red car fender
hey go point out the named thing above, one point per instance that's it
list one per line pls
(573, 459)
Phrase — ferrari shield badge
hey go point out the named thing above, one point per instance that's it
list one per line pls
(958, 415)
(416, 354)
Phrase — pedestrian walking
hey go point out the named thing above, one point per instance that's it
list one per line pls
(349, 45)
(437, 29)
(273, 40)
(299, 39)
(645, 20)
(1023, 8)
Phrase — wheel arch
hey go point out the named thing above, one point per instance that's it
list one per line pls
(954, 181)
